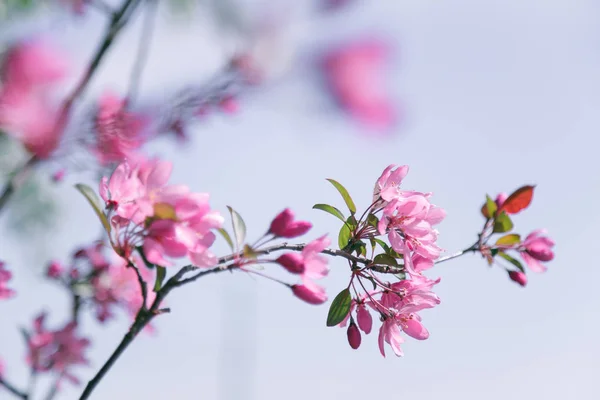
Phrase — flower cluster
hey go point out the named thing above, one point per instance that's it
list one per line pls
(5, 276)
(29, 73)
(166, 221)
(57, 351)
(106, 283)
(534, 250)
(408, 219)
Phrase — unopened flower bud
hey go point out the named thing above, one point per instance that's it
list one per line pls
(310, 293)
(293, 262)
(283, 225)
(500, 199)
(354, 338)
(54, 270)
(519, 277)
(229, 105)
(59, 175)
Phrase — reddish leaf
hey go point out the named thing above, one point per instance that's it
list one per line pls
(519, 200)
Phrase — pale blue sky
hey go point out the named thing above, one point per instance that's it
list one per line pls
(496, 94)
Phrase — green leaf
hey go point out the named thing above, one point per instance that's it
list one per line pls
(490, 207)
(161, 273)
(359, 247)
(339, 308)
(385, 259)
(94, 201)
(502, 223)
(494, 252)
(345, 195)
(372, 220)
(511, 260)
(226, 236)
(344, 237)
(383, 245)
(249, 252)
(331, 210)
(509, 240)
(239, 227)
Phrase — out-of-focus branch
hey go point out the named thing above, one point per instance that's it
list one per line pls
(143, 50)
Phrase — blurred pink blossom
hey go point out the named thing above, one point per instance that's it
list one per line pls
(29, 72)
(354, 74)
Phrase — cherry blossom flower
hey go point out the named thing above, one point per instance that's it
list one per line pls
(355, 77)
(29, 72)
(118, 131)
(168, 221)
(315, 267)
(57, 351)
(535, 249)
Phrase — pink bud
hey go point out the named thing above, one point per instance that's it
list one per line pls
(229, 105)
(293, 262)
(353, 336)
(59, 175)
(310, 293)
(284, 225)
(500, 199)
(74, 274)
(519, 277)
(54, 270)
(365, 321)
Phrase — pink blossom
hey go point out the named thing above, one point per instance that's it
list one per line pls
(168, 221)
(1, 368)
(33, 64)
(409, 224)
(364, 319)
(354, 338)
(117, 285)
(315, 267)
(390, 333)
(56, 351)
(310, 293)
(29, 71)
(284, 225)
(5, 276)
(118, 131)
(518, 277)
(388, 184)
(355, 76)
(536, 248)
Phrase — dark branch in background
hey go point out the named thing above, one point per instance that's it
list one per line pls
(118, 20)
(13, 390)
(143, 50)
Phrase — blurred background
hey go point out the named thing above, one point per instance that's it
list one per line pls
(480, 97)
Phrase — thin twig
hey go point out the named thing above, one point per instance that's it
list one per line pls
(142, 282)
(143, 50)
(13, 389)
(19, 176)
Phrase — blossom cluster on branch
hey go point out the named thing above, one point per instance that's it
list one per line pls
(151, 227)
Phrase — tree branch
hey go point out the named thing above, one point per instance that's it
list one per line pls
(143, 50)
(13, 389)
